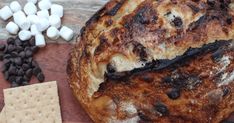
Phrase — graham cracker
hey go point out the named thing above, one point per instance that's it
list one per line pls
(3, 116)
(38, 103)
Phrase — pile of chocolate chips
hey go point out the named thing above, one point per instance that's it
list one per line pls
(18, 63)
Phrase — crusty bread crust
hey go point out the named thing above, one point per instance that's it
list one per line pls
(126, 36)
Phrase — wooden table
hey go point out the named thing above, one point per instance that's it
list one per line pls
(53, 58)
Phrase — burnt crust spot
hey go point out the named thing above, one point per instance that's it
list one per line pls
(102, 45)
(177, 22)
(161, 108)
(140, 50)
(109, 22)
(159, 65)
(145, 15)
(115, 9)
(194, 8)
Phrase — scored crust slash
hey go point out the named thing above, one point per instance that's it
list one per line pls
(156, 61)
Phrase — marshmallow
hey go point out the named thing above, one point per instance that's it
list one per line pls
(33, 19)
(24, 35)
(21, 20)
(55, 21)
(57, 10)
(34, 30)
(66, 33)
(43, 13)
(40, 40)
(5, 13)
(15, 6)
(44, 4)
(33, 1)
(12, 28)
(53, 33)
(30, 8)
(43, 24)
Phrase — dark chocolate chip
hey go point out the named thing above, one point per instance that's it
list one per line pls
(36, 71)
(14, 84)
(10, 48)
(28, 53)
(110, 68)
(26, 78)
(41, 77)
(19, 80)
(20, 72)
(24, 83)
(14, 54)
(27, 48)
(34, 49)
(22, 54)
(29, 60)
(29, 73)
(12, 79)
(10, 41)
(6, 75)
(19, 48)
(177, 22)
(226, 91)
(7, 62)
(18, 61)
(161, 108)
(32, 41)
(2, 47)
(12, 70)
(25, 67)
(18, 42)
(174, 94)
(7, 56)
(143, 117)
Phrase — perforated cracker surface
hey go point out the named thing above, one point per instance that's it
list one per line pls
(37, 103)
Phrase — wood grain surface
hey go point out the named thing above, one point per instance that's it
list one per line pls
(53, 58)
(76, 13)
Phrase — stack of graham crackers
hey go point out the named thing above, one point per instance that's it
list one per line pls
(37, 103)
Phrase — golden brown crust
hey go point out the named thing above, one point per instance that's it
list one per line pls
(127, 35)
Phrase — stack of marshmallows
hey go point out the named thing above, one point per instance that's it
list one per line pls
(31, 22)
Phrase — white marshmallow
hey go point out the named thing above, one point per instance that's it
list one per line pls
(12, 28)
(44, 4)
(55, 21)
(33, 1)
(43, 13)
(34, 30)
(15, 6)
(66, 33)
(43, 24)
(21, 20)
(33, 19)
(5, 13)
(24, 35)
(30, 8)
(57, 10)
(53, 33)
(40, 40)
